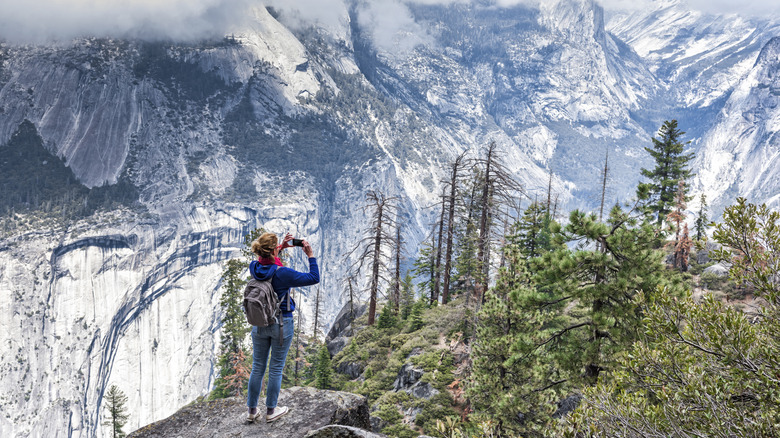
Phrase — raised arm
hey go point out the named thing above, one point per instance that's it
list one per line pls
(292, 278)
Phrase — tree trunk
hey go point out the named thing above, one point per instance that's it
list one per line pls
(484, 222)
(375, 265)
(445, 294)
(437, 278)
(351, 305)
(316, 313)
(397, 283)
(603, 186)
(297, 345)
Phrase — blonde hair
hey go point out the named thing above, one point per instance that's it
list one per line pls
(265, 245)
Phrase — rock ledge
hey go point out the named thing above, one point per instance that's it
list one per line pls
(310, 409)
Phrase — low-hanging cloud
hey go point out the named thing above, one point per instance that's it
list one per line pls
(389, 21)
(326, 13)
(43, 21)
(751, 8)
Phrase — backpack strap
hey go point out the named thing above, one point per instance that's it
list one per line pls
(281, 316)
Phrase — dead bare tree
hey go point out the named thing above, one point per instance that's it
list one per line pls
(604, 186)
(451, 200)
(317, 312)
(499, 187)
(351, 301)
(372, 245)
(437, 264)
(297, 345)
(396, 292)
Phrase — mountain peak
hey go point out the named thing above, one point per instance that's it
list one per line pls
(770, 53)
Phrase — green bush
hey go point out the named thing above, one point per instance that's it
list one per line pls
(400, 431)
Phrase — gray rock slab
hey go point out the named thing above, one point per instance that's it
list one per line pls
(717, 269)
(310, 409)
(342, 432)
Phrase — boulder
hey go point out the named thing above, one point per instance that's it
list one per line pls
(567, 405)
(717, 269)
(377, 424)
(703, 255)
(411, 414)
(336, 345)
(342, 432)
(310, 409)
(351, 369)
(407, 377)
(408, 380)
(416, 351)
(422, 390)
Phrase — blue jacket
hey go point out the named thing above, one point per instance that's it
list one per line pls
(282, 279)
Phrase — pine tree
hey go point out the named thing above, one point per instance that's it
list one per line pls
(425, 266)
(671, 167)
(415, 316)
(407, 296)
(323, 373)
(234, 325)
(317, 315)
(387, 319)
(702, 368)
(532, 232)
(702, 222)
(234, 328)
(116, 405)
(500, 385)
(583, 310)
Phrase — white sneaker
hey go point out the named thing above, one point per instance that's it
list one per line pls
(278, 412)
(250, 418)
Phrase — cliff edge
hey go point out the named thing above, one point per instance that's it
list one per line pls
(310, 409)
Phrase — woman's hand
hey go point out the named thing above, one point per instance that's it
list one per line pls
(307, 249)
(285, 242)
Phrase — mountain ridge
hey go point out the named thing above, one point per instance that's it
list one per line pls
(287, 127)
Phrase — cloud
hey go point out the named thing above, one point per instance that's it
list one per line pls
(389, 21)
(754, 8)
(41, 21)
(745, 8)
(326, 13)
(392, 26)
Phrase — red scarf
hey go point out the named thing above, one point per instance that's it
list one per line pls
(270, 261)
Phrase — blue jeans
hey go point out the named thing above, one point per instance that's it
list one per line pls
(265, 339)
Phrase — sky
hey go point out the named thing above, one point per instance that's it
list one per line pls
(22, 21)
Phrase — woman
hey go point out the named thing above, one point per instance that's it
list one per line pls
(266, 339)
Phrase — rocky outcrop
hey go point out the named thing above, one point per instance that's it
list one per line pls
(343, 328)
(717, 269)
(408, 375)
(342, 432)
(703, 255)
(311, 410)
(408, 380)
(351, 369)
(567, 405)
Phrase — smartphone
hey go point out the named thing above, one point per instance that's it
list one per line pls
(297, 242)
